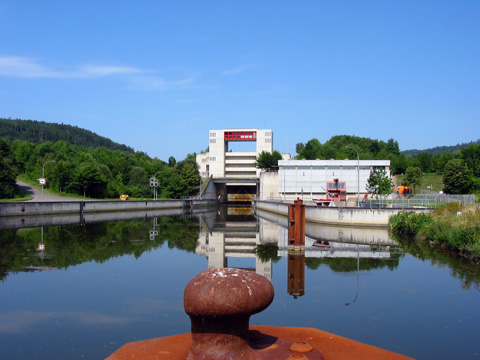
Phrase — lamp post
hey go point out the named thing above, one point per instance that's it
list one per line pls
(43, 174)
(358, 174)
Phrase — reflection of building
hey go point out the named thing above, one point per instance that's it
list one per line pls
(233, 233)
(334, 249)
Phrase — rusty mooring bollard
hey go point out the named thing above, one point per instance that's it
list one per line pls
(220, 302)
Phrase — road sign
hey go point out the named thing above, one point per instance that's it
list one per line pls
(42, 181)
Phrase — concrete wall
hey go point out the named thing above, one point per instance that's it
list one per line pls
(86, 207)
(268, 185)
(336, 215)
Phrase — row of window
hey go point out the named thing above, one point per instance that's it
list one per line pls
(335, 167)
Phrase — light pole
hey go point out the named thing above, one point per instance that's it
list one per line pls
(43, 174)
(358, 174)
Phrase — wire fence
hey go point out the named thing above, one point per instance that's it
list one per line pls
(427, 199)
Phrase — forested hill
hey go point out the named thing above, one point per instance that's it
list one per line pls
(439, 149)
(39, 131)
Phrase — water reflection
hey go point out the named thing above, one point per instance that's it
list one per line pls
(225, 236)
(68, 245)
(125, 282)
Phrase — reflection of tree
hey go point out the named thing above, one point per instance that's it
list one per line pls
(74, 244)
(266, 252)
(350, 264)
(467, 271)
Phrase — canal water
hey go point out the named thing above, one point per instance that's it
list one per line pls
(82, 290)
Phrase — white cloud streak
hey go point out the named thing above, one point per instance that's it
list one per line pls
(137, 79)
(154, 83)
(237, 70)
(24, 67)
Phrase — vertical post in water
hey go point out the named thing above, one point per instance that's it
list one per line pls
(296, 225)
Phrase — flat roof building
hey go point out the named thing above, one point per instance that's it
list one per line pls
(311, 177)
(221, 162)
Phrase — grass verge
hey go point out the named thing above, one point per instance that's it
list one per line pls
(450, 226)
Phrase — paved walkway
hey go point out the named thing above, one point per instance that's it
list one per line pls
(36, 194)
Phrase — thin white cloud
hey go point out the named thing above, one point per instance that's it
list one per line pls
(154, 83)
(24, 67)
(107, 70)
(138, 79)
(237, 70)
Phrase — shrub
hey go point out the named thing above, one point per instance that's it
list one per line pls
(408, 223)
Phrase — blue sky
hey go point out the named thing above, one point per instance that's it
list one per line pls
(158, 75)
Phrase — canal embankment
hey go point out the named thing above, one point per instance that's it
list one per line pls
(344, 216)
(31, 214)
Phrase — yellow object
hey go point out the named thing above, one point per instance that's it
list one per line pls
(123, 197)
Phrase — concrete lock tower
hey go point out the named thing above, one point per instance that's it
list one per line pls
(232, 175)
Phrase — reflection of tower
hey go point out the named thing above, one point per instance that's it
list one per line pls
(216, 250)
(234, 235)
(296, 249)
(296, 274)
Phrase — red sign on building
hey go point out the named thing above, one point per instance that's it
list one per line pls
(241, 135)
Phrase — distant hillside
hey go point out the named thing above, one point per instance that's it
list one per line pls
(439, 149)
(38, 131)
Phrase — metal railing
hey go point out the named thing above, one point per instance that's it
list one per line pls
(428, 200)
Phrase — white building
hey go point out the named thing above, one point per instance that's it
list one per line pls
(236, 179)
(310, 177)
(221, 162)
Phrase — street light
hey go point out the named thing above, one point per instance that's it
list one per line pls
(43, 174)
(358, 174)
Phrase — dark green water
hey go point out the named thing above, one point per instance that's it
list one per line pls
(97, 286)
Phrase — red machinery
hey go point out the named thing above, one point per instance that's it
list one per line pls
(336, 191)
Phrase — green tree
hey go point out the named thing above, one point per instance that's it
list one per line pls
(190, 179)
(413, 177)
(23, 151)
(398, 164)
(379, 183)
(61, 175)
(88, 181)
(268, 161)
(8, 171)
(441, 160)
(392, 147)
(455, 177)
(424, 161)
(471, 156)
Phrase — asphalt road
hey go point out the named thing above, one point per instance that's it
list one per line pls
(37, 194)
